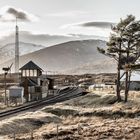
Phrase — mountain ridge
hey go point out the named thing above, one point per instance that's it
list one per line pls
(68, 56)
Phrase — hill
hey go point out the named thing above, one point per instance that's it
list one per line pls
(73, 57)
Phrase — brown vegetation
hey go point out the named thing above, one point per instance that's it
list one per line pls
(93, 116)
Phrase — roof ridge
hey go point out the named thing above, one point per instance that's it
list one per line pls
(30, 66)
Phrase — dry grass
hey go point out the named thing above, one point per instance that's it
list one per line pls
(93, 116)
(26, 122)
(134, 94)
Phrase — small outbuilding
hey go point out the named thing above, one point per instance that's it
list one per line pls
(135, 85)
(16, 94)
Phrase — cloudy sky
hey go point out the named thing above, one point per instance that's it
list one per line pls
(62, 17)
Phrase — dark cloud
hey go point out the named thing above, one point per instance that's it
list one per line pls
(10, 13)
(20, 15)
(98, 24)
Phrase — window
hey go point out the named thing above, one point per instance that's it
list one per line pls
(37, 89)
(24, 73)
(35, 72)
(27, 73)
(31, 73)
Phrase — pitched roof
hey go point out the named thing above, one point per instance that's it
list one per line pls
(30, 82)
(30, 66)
(43, 76)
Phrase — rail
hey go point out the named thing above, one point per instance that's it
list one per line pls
(66, 94)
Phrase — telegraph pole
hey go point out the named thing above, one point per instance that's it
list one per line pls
(6, 70)
(5, 95)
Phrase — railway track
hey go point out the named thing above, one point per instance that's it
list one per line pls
(63, 95)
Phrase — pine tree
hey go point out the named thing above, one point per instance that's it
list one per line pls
(124, 47)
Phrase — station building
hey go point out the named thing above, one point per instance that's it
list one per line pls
(36, 85)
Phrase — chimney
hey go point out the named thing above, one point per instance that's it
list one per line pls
(16, 49)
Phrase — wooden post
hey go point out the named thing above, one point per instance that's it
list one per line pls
(78, 129)
(5, 97)
(57, 132)
(26, 93)
(32, 137)
(14, 136)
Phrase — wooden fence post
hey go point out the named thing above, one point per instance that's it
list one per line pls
(57, 132)
(32, 137)
(14, 136)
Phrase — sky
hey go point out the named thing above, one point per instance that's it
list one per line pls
(64, 17)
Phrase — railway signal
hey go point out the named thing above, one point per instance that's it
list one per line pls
(6, 70)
